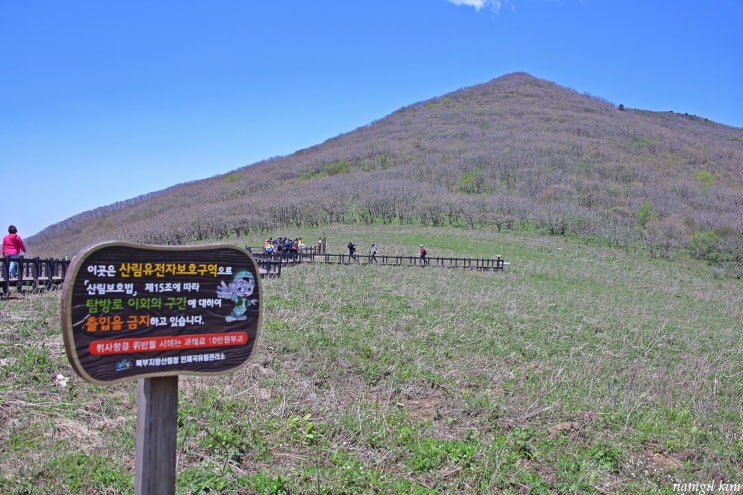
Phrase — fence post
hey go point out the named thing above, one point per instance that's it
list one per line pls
(35, 269)
(21, 272)
(5, 269)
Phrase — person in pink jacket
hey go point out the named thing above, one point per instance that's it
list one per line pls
(12, 248)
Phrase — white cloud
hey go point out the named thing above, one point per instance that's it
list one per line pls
(478, 4)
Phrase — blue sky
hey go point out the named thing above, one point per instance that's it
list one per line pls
(101, 101)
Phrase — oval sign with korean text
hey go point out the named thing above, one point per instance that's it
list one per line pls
(134, 311)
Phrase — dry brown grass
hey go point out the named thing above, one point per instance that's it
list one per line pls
(622, 376)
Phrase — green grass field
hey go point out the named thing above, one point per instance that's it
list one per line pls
(580, 369)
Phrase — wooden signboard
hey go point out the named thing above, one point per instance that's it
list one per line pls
(133, 311)
(152, 313)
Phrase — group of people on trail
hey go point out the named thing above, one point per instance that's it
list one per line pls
(287, 248)
(422, 253)
(12, 248)
(283, 247)
(372, 252)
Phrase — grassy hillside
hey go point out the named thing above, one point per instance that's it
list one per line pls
(581, 369)
(514, 150)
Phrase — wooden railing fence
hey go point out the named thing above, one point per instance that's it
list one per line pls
(37, 275)
(312, 255)
(34, 274)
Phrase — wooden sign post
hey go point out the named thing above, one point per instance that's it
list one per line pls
(157, 417)
(152, 313)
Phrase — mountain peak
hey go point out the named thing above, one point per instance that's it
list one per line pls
(515, 147)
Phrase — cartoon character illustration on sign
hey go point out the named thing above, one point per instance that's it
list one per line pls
(238, 291)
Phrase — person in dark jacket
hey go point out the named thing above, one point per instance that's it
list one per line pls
(352, 250)
(422, 253)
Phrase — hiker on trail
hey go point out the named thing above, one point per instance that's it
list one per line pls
(13, 248)
(373, 254)
(422, 254)
(352, 250)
